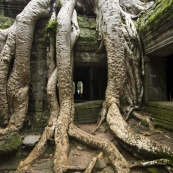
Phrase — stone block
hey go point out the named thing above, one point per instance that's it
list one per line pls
(88, 112)
(42, 46)
(10, 145)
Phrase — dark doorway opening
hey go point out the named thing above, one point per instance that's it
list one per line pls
(89, 83)
(169, 71)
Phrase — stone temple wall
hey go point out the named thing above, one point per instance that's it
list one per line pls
(84, 54)
(10, 8)
(156, 32)
(155, 79)
(38, 68)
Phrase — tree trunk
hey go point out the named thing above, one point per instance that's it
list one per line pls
(123, 94)
(19, 78)
(7, 56)
(64, 65)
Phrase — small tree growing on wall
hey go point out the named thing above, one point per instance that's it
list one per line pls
(124, 88)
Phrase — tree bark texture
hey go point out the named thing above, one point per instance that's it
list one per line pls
(124, 88)
(63, 59)
(16, 84)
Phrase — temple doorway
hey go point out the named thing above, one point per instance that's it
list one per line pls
(89, 83)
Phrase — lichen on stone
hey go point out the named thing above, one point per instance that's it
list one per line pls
(51, 26)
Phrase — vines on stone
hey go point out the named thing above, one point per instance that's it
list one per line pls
(123, 94)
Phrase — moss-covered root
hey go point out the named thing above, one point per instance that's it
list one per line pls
(135, 143)
(116, 159)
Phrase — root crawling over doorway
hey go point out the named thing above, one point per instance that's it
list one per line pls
(124, 88)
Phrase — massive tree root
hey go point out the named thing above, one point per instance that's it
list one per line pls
(123, 94)
(7, 56)
(15, 86)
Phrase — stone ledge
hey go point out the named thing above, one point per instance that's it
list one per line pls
(160, 42)
(155, 28)
(89, 58)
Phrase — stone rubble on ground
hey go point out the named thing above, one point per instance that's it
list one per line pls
(31, 140)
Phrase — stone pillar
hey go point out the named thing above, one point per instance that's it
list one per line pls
(155, 79)
(146, 77)
(38, 69)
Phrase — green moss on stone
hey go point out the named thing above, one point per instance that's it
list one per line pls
(162, 114)
(88, 35)
(51, 26)
(10, 144)
(88, 40)
(153, 170)
(152, 19)
(39, 121)
(86, 22)
(87, 112)
(59, 5)
(83, 21)
(5, 22)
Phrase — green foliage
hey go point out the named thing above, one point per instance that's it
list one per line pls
(5, 22)
(59, 5)
(51, 26)
(161, 12)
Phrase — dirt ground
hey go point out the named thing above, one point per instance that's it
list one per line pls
(81, 155)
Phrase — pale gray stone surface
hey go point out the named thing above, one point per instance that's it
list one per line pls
(31, 140)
